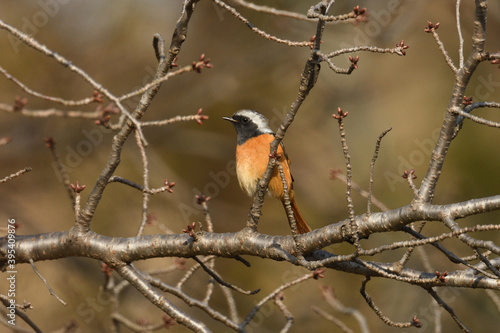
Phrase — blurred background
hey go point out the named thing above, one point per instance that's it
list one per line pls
(112, 42)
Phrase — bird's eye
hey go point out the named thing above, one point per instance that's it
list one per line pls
(245, 120)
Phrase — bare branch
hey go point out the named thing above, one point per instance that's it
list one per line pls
(477, 119)
(278, 300)
(178, 38)
(198, 117)
(62, 101)
(460, 37)
(143, 286)
(66, 63)
(379, 313)
(46, 283)
(334, 302)
(222, 282)
(432, 29)
(313, 12)
(272, 295)
(350, 206)
(258, 31)
(16, 174)
(273, 11)
(399, 50)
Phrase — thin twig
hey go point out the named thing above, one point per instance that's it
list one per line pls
(77, 207)
(399, 50)
(334, 67)
(460, 37)
(372, 168)
(479, 120)
(63, 172)
(347, 157)
(314, 13)
(145, 181)
(62, 101)
(449, 61)
(273, 11)
(167, 188)
(52, 112)
(406, 257)
(140, 282)
(328, 294)
(410, 176)
(46, 283)
(203, 201)
(233, 310)
(289, 211)
(23, 316)
(28, 40)
(222, 282)
(445, 306)
(156, 82)
(379, 313)
(258, 31)
(430, 240)
(192, 302)
(487, 263)
(471, 242)
(273, 294)
(16, 174)
(189, 273)
(134, 326)
(197, 117)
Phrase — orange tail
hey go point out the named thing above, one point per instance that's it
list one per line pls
(302, 226)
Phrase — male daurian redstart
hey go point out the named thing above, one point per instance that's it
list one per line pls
(252, 156)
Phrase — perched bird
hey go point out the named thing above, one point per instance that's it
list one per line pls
(252, 156)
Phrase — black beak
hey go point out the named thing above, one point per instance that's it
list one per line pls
(230, 119)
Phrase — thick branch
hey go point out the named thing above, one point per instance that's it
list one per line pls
(114, 251)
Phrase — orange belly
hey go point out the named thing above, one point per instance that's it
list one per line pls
(252, 158)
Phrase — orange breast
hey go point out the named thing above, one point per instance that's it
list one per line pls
(251, 162)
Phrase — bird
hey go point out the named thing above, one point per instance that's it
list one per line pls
(252, 157)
